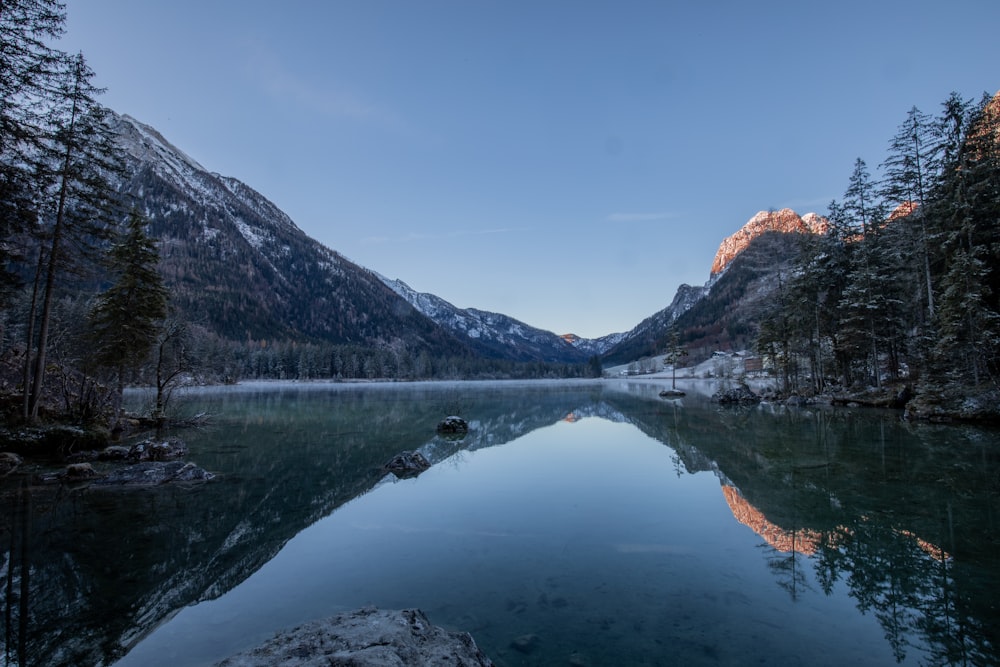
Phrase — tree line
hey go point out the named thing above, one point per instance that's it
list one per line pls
(906, 283)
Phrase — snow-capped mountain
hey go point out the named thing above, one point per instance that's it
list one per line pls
(491, 334)
(240, 267)
(592, 346)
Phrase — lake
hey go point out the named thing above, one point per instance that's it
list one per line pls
(617, 527)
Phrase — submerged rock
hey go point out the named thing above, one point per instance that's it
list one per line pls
(525, 643)
(407, 464)
(365, 638)
(151, 473)
(147, 450)
(155, 472)
(9, 462)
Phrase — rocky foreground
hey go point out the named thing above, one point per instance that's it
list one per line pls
(366, 638)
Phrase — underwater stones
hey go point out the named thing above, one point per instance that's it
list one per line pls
(150, 473)
(153, 473)
(525, 643)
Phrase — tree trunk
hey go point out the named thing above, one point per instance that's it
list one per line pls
(57, 231)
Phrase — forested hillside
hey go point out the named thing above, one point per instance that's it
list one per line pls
(906, 284)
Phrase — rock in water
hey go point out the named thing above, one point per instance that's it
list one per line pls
(366, 638)
(453, 424)
(407, 464)
(740, 395)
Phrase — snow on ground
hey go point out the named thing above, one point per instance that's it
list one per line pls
(704, 377)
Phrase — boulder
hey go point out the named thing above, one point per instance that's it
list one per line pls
(365, 638)
(406, 464)
(75, 471)
(741, 394)
(453, 424)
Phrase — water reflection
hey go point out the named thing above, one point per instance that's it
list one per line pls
(596, 538)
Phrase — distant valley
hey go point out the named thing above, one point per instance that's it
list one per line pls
(239, 266)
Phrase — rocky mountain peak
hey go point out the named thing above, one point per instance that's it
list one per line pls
(786, 220)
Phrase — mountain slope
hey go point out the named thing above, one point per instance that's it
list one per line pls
(492, 335)
(238, 265)
(724, 313)
(649, 336)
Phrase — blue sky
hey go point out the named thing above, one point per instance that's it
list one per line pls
(567, 163)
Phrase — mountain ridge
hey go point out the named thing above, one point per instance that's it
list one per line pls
(785, 221)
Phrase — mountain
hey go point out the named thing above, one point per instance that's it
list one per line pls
(649, 336)
(491, 335)
(239, 266)
(592, 346)
(724, 312)
(786, 221)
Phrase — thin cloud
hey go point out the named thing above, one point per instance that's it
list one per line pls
(418, 236)
(639, 217)
(319, 97)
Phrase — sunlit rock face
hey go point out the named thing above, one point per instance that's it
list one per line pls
(786, 220)
(903, 210)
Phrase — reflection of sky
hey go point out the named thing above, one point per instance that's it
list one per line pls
(591, 516)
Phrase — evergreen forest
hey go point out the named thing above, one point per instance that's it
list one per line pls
(905, 286)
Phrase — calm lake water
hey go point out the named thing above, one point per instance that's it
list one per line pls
(616, 527)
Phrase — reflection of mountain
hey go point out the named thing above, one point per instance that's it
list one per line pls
(107, 567)
(786, 541)
(853, 491)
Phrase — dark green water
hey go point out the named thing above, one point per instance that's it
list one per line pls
(617, 527)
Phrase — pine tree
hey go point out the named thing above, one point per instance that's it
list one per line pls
(125, 320)
(674, 353)
(966, 213)
(27, 62)
(79, 160)
(909, 172)
(863, 297)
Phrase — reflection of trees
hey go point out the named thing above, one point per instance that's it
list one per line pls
(887, 576)
(787, 570)
(863, 490)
